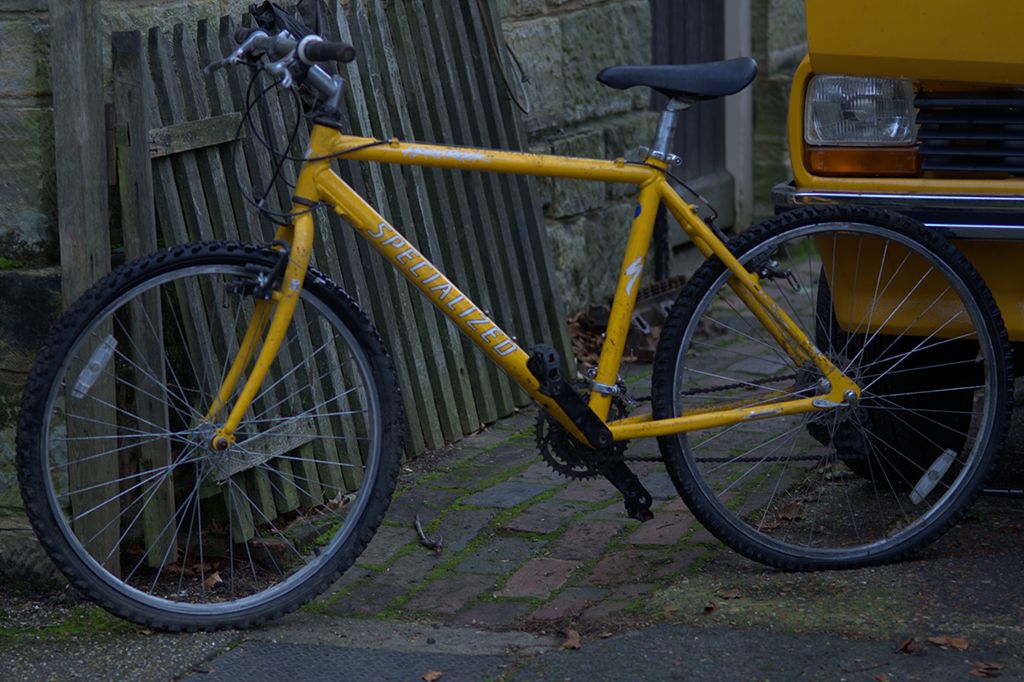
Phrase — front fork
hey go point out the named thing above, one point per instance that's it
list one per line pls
(269, 322)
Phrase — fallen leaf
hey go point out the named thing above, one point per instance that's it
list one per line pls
(987, 669)
(911, 647)
(958, 643)
(572, 639)
(731, 594)
(793, 512)
(604, 635)
(212, 580)
(432, 676)
(709, 608)
(881, 677)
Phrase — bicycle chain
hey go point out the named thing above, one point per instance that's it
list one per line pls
(724, 387)
(595, 458)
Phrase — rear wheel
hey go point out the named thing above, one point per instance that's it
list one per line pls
(848, 486)
(114, 456)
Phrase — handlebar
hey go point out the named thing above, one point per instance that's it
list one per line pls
(285, 40)
(310, 50)
(243, 32)
(319, 50)
(291, 59)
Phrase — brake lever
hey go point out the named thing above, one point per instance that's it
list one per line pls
(281, 72)
(236, 56)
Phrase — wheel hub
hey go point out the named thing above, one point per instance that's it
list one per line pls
(214, 463)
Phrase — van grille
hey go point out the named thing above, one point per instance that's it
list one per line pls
(971, 132)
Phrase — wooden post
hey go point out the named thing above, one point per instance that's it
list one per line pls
(79, 126)
(80, 140)
(138, 223)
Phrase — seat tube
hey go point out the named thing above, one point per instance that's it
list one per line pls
(625, 298)
(666, 131)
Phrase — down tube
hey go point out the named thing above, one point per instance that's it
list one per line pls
(455, 305)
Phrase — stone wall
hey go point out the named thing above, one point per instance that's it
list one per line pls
(28, 222)
(779, 42)
(562, 45)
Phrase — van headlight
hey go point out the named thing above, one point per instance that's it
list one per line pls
(851, 111)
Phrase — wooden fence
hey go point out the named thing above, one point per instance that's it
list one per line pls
(425, 71)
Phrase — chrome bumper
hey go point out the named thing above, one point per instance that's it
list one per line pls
(958, 216)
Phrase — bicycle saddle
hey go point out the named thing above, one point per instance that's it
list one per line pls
(685, 81)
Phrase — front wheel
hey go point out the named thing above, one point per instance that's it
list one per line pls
(114, 457)
(837, 488)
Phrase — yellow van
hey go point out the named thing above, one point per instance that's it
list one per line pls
(918, 106)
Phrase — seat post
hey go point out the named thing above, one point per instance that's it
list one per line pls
(662, 147)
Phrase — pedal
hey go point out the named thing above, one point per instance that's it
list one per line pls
(636, 498)
(546, 366)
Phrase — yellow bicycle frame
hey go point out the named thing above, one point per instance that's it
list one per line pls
(318, 183)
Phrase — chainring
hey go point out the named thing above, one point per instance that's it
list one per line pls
(570, 458)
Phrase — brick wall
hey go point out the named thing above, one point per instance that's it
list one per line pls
(563, 44)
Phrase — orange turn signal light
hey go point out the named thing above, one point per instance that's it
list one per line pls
(863, 161)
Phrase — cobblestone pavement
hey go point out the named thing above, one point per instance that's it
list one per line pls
(519, 542)
(523, 547)
(528, 556)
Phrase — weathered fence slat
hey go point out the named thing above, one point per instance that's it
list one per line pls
(304, 467)
(531, 241)
(493, 292)
(436, 184)
(521, 267)
(443, 362)
(76, 66)
(191, 135)
(310, 486)
(454, 187)
(414, 308)
(516, 314)
(138, 223)
(236, 174)
(393, 313)
(209, 338)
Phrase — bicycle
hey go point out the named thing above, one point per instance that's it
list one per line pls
(844, 419)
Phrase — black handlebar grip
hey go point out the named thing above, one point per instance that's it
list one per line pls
(323, 51)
